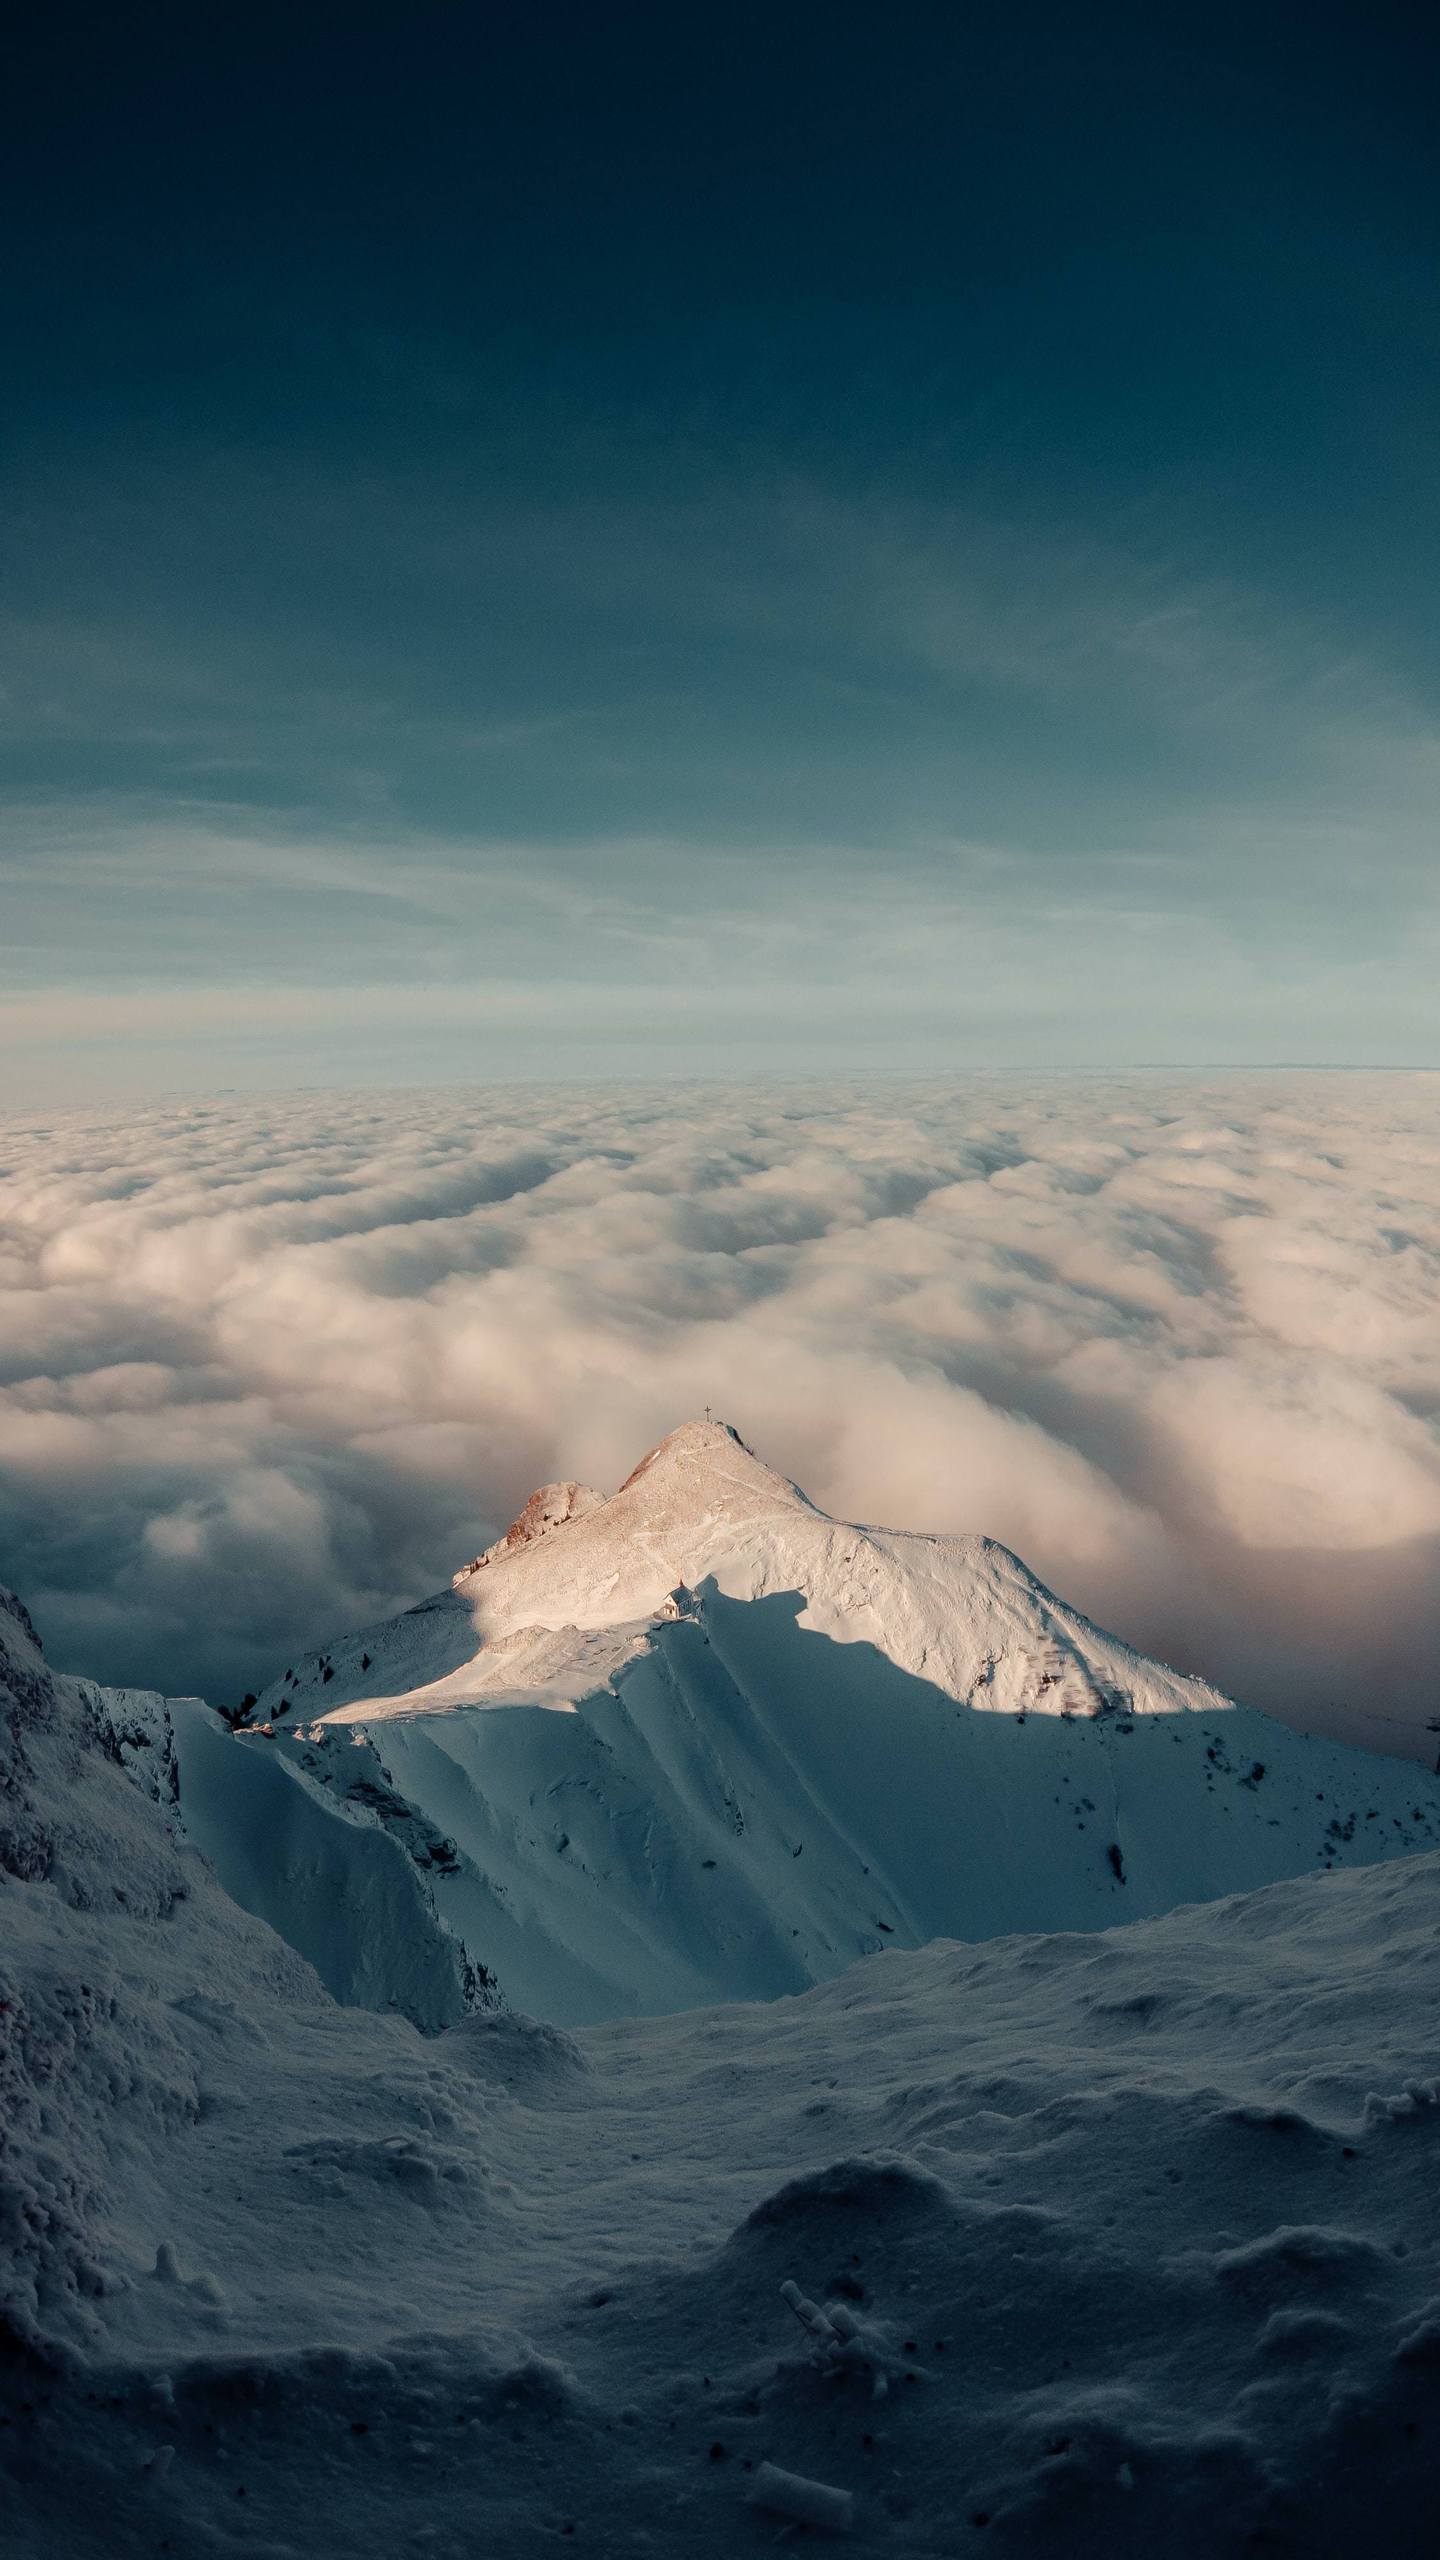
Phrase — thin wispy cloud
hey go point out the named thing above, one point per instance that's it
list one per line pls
(898, 771)
(999, 553)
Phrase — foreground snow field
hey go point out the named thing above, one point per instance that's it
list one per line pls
(699, 1742)
(1129, 2238)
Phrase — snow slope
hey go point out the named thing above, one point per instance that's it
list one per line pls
(777, 1742)
(1128, 2238)
(349, 1890)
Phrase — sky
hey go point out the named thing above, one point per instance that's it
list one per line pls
(604, 543)
(273, 1367)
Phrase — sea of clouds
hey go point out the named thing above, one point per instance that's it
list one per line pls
(270, 1369)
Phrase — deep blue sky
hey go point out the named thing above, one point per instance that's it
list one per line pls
(638, 538)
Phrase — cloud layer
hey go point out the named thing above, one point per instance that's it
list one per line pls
(273, 1367)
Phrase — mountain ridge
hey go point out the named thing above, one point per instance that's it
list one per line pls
(696, 1741)
(701, 1504)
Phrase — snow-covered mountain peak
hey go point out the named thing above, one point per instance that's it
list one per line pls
(705, 1452)
(700, 1479)
(700, 1503)
(703, 1512)
(700, 1741)
(579, 1583)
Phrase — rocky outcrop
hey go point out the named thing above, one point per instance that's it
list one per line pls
(548, 1508)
